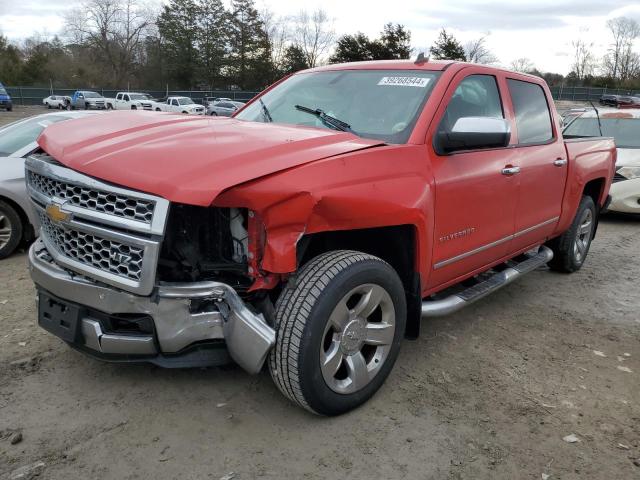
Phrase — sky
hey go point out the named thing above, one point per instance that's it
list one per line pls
(541, 30)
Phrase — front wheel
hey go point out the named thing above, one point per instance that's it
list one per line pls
(570, 249)
(338, 331)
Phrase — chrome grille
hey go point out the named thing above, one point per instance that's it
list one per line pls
(95, 229)
(91, 250)
(92, 199)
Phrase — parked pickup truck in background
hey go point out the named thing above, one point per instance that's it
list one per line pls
(84, 99)
(131, 101)
(314, 229)
(179, 105)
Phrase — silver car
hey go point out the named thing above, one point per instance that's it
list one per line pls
(224, 109)
(18, 140)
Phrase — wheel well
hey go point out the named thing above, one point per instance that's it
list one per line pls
(396, 245)
(27, 233)
(593, 189)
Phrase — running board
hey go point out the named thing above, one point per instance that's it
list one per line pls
(453, 303)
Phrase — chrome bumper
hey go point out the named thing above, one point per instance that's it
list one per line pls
(177, 323)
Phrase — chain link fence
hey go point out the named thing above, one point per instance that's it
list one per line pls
(35, 95)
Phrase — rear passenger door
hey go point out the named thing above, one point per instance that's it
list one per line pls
(541, 156)
(475, 200)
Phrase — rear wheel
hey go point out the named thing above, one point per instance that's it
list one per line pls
(10, 229)
(339, 329)
(570, 249)
(9, 108)
(48, 106)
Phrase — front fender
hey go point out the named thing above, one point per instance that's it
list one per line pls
(385, 186)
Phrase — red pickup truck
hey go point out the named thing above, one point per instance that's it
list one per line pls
(315, 229)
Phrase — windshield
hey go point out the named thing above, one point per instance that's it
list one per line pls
(91, 95)
(625, 131)
(378, 104)
(185, 101)
(18, 135)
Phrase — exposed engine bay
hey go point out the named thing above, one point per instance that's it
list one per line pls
(205, 243)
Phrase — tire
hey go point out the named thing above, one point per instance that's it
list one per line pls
(133, 107)
(11, 229)
(158, 110)
(214, 114)
(48, 106)
(10, 108)
(307, 312)
(571, 248)
(86, 106)
(109, 106)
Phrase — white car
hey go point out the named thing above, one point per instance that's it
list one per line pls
(624, 126)
(56, 101)
(180, 105)
(131, 101)
(18, 221)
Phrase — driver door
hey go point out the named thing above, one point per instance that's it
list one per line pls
(474, 199)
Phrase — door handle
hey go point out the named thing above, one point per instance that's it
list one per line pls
(510, 170)
(560, 162)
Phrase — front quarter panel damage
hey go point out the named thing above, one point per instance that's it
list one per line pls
(385, 186)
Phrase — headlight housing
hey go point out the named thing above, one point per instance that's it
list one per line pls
(629, 172)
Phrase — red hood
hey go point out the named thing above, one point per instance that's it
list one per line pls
(187, 159)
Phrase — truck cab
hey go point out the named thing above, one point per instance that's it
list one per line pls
(5, 99)
(184, 105)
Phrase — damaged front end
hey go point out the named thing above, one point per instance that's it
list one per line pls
(124, 276)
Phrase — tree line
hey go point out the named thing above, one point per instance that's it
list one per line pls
(202, 44)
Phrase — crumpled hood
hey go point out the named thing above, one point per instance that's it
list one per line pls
(187, 159)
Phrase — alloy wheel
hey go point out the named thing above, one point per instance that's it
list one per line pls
(5, 230)
(357, 339)
(583, 236)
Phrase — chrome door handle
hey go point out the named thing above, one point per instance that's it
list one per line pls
(560, 162)
(510, 170)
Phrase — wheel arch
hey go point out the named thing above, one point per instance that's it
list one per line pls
(396, 245)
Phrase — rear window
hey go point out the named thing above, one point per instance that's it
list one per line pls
(533, 118)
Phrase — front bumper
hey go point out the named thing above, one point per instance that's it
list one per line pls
(625, 196)
(185, 317)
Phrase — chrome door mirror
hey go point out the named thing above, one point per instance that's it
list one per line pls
(470, 133)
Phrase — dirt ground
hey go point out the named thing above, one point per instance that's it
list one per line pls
(487, 393)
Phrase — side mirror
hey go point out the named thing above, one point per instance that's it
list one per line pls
(470, 133)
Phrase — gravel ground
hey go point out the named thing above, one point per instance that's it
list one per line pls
(488, 393)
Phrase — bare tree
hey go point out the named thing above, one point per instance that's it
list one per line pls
(619, 61)
(477, 51)
(313, 34)
(583, 59)
(279, 34)
(522, 64)
(116, 28)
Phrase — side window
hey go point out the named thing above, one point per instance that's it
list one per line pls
(533, 118)
(476, 96)
(125, 97)
(174, 102)
(119, 96)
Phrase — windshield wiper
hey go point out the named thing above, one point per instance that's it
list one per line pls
(327, 119)
(265, 111)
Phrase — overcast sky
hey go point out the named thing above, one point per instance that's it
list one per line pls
(541, 30)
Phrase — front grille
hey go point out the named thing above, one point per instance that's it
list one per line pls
(91, 250)
(618, 178)
(92, 199)
(106, 233)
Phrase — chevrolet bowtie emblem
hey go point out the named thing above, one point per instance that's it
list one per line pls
(55, 213)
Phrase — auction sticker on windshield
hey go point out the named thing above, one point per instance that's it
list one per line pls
(405, 81)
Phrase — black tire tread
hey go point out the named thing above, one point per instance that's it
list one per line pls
(17, 227)
(563, 245)
(293, 309)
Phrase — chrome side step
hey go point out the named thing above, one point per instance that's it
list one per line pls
(455, 302)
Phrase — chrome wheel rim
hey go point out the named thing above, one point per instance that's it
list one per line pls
(583, 237)
(357, 339)
(5, 230)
